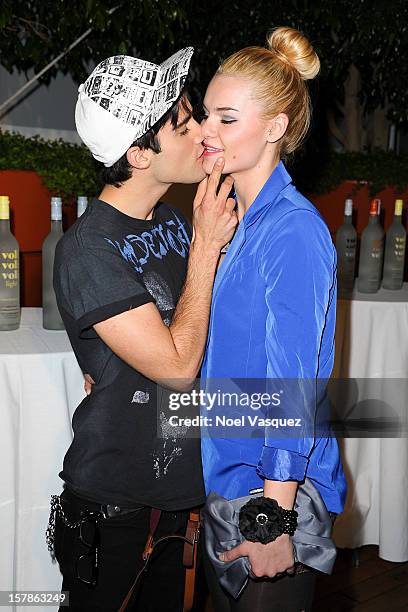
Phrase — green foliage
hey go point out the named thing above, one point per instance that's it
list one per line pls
(372, 35)
(33, 32)
(67, 170)
(317, 175)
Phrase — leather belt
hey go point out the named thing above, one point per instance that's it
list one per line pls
(110, 511)
(107, 510)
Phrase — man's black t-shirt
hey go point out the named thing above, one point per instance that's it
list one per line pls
(124, 451)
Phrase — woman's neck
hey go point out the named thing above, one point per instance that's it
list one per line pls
(248, 184)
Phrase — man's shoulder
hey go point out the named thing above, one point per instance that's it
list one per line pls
(78, 237)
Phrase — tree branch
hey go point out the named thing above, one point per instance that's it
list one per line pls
(334, 128)
(33, 26)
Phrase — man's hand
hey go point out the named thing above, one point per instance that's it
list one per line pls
(89, 381)
(214, 219)
(267, 560)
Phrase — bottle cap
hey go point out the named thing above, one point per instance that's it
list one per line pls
(82, 203)
(56, 209)
(4, 207)
(374, 207)
(348, 207)
(398, 207)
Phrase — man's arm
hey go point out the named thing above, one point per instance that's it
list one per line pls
(173, 355)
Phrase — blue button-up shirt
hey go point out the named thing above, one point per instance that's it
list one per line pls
(273, 317)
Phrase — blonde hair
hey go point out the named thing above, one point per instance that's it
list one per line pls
(278, 74)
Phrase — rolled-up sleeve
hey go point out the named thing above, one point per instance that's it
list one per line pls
(298, 266)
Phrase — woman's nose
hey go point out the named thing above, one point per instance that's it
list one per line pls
(207, 129)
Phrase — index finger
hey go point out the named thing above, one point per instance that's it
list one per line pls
(214, 178)
(201, 190)
(231, 555)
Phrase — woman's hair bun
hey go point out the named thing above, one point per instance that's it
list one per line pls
(294, 49)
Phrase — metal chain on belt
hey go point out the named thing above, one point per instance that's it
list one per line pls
(50, 532)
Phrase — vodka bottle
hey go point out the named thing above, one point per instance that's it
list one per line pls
(51, 316)
(346, 242)
(371, 252)
(82, 203)
(394, 251)
(9, 271)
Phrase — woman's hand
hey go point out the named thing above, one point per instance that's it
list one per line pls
(89, 381)
(267, 560)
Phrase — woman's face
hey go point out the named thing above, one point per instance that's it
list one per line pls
(233, 126)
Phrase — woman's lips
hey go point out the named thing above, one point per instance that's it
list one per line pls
(211, 151)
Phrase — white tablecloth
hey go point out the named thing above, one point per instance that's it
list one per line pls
(40, 386)
(372, 342)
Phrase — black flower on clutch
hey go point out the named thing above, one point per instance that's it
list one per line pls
(261, 520)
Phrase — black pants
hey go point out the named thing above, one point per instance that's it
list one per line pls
(281, 594)
(122, 541)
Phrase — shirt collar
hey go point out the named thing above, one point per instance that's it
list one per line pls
(278, 180)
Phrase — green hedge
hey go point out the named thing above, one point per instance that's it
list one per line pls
(316, 174)
(69, 170)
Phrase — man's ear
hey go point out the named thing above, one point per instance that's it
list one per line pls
(139, 158)
(277, 127)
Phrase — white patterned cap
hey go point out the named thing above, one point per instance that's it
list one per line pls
(123, 98)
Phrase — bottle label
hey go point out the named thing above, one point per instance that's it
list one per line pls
(350, 250)
(9, 269)
(399, 248)
(377, 247)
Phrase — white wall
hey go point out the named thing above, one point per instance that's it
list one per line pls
(44, 110)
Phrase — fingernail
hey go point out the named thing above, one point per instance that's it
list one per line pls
(221, 557)
(220, 160)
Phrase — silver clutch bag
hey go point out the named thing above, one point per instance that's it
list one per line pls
(312, 541)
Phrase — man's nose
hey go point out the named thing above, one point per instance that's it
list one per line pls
(197, 134)
(196, 131)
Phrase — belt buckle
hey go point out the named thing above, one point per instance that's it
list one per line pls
(109, 511)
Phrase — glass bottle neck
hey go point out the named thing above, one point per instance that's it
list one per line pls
(4, 226)
(56, 226)
(348, 219)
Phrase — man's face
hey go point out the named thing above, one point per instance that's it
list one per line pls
(180, 160)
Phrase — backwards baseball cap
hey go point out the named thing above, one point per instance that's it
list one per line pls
(123, 98)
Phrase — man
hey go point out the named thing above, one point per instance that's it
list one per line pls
(119, 272)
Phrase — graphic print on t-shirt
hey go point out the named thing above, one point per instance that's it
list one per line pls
(169, 448)
(137, 250)
(157, 242)
(159, 289)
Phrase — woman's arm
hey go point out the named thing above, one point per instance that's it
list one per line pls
(283, 492)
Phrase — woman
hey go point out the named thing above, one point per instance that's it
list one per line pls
(273, 309)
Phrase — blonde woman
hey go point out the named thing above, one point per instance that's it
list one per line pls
(273, 310)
